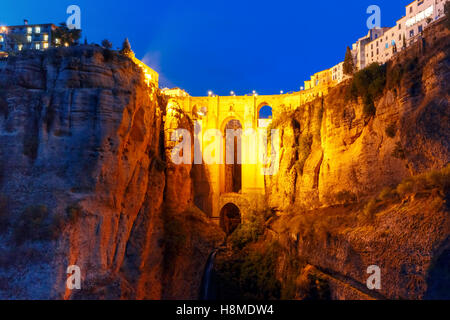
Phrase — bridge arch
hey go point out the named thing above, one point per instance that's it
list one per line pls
(231, 172)
(230, 217)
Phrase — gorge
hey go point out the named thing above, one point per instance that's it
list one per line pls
(86, 179)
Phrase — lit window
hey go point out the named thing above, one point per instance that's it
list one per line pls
(29, 30)
(57, 41)
(37, 29)
(1, 38)
(29, 38)
(38, 46)
(46, 45)
(45, 37)
(20, 47)
(393, 42)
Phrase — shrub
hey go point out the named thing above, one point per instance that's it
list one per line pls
(345, 197)
(369, 109)
(248, 232)
(370, 81)
(406, 187)
(387, 193)
(391, 130)
(368, 214)
(251, 275)
(174, 235)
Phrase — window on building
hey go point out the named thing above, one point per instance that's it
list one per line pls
(420, 29)
(46, 45)
(28, 38)
(20, 47)
(38, 46)
(387, 45)
(57, 41)
(410, 9)
(399, 27)
(29, 30)
(411, 33)
(37, 29)
(372, 54)
(399, 37)
(45, 37)
(378, 51)
(393, 42)
(1, 39)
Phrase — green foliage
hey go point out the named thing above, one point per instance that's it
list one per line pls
(345, 197)
(399, 152)
(316, 288)
(369, 82)
(106, 44)
(251, 276)
(391, 130)
(369, 109)
(387, 193)
(66, 35)
(174, 235)
(126, 47)
(349, 64)
(248, 232)
(368, 214)
(395, 76)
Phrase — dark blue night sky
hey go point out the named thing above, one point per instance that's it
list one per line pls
(216, 45)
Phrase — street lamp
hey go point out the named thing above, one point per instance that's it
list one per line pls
(232, 93)
(210, 93)
(281, 92)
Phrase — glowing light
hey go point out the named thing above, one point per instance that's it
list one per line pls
(232, 93)
(210, 93)
(281, 92)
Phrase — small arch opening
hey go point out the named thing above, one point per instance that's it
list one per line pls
(264, 116)
(265, 112)
(230, 218)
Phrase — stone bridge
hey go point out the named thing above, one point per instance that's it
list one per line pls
(235, 190)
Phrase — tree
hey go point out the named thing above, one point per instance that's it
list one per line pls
(66, 36)
(126, 47)
(349, 65)
(106, 44)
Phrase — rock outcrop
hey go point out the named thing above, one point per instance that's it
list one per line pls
(334, 155)
(84, 181)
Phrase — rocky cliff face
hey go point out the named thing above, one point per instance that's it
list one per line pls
(84, 181)
(334, 154)
(330, 145)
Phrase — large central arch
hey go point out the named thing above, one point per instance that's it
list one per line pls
(231, 180)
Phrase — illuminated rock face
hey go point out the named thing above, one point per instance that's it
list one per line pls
(82, 144)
